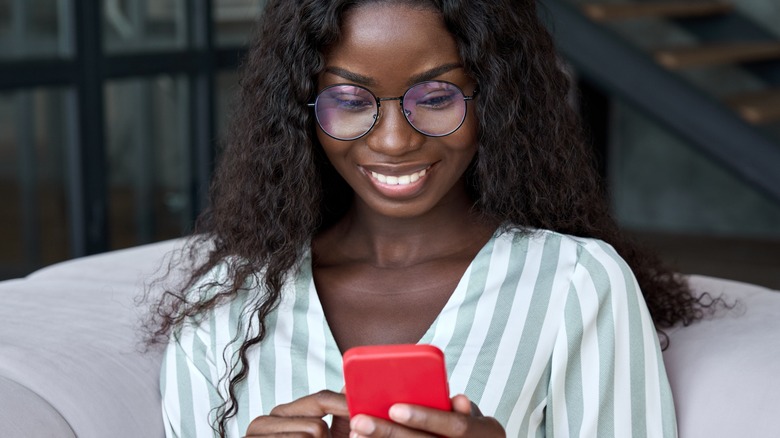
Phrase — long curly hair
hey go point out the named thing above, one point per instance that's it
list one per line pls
(273, 188)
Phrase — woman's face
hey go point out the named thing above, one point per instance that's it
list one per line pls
(394, 170)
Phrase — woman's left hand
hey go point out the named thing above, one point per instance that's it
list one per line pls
(464, 420)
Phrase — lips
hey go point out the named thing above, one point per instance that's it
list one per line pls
(401, 180)
(397, 182)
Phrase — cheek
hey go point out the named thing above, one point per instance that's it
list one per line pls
(329, 145)
(335, 150)
(322, 138)
(466, 135)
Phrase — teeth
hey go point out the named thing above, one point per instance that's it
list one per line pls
(399, 180)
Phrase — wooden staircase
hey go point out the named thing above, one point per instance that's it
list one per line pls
(728, 53)
(758, 107)
(755, 107)
(619, 11)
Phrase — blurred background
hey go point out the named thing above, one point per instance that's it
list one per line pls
(111, 112)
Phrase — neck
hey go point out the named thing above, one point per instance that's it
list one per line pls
(385, 241)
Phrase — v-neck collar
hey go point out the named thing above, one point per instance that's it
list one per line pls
(453, 302)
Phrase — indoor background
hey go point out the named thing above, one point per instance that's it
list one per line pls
(111, 113)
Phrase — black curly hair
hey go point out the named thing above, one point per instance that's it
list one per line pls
(273, 189)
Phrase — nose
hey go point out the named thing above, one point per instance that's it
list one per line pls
(392, 134)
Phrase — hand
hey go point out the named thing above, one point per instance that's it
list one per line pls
(465, 420)
(302, 417)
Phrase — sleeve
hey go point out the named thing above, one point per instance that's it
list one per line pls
(188, 383)
(607, 373)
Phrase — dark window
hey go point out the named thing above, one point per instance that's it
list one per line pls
(109, 118)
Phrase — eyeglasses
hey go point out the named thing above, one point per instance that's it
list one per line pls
(433, 108)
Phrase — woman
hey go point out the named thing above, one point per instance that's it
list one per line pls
(410, 172)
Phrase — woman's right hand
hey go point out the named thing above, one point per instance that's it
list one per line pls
(302, 417)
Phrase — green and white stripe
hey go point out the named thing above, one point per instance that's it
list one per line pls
(546, 332)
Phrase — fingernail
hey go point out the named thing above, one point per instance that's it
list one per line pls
(400, 413)
(362, 425)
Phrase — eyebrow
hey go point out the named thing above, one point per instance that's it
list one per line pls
(368, 81)
(351, 76)
(433, 73)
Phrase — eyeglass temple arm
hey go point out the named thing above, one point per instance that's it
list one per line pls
(473, 94)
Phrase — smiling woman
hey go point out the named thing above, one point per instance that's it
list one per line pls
(407, 172)
(391, 58)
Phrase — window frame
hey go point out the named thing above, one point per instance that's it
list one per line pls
(84, 75)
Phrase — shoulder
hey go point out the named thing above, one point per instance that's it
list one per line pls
(200, 337)
(228, 294)
(578, 258)
(232, 278)
(218, 297)
(566, 244)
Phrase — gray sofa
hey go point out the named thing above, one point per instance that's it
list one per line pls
(72, 364)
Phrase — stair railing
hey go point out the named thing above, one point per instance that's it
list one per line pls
(633, 76)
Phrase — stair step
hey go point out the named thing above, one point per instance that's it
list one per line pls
(729, 53)
(620, 11)
(757, 107)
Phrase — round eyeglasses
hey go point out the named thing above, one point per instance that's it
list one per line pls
(348, 112)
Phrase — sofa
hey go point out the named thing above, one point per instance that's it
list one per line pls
(73, 362)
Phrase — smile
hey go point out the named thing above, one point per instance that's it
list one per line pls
(400, 180)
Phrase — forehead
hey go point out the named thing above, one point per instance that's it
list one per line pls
(383, 39)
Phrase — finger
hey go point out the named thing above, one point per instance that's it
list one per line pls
(451, 424)
(363, 426)
(315, 405)
(429, 420)
(281, 426)
(462, 405)
(281, 435)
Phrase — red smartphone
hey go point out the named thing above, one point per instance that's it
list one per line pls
(378, 376)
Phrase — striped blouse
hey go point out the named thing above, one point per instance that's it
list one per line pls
(548, 333)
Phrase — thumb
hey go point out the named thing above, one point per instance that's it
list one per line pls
(461, 404)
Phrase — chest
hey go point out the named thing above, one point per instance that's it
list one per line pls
(490, 323)
(371, 305)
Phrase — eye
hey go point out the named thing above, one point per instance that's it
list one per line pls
(434, 95)
(352, 102)
(437, 99)
(346, 99)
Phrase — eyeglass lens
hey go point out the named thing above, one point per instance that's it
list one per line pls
(347, 112)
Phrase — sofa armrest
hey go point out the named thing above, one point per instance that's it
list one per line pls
(24, 413)
(725, 369)
(71, 345)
